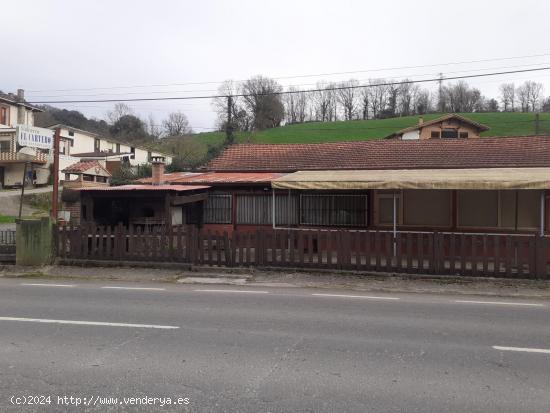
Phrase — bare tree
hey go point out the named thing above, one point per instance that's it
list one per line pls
(239, 117)
(323, 101)
(423, 102)
(508, 96)
(529, 94)
(119, 110)
(378, 96)
(348, 98)
(176, 124)
(153, 128)
(407, 94)
(536, 90)
(461, 98)
(262, 101)
(364, 95)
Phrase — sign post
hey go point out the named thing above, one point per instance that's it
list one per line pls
(37, 138)
(55, 193)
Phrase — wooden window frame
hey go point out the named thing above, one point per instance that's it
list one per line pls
(6, 110)
(499, 226)
(331, 224)
(382, 194)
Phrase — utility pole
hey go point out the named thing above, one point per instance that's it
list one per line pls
(440, 91)
(229, 124)
(55, 193)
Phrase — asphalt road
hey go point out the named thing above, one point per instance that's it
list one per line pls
(240, 349)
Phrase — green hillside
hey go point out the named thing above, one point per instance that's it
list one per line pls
(500, 123)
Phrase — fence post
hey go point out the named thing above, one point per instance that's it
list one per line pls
(540, 257)
(436, 252)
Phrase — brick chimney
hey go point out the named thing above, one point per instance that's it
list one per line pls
(157, 163)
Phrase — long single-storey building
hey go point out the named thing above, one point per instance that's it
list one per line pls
(456, 205)
(462, 185)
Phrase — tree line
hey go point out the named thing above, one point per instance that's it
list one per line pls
(261, 103)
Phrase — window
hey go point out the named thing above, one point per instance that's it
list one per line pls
(384, 208)
(118, 147)
(88, 178)
(464, 135)
(256, 209)
(133, 152)
(449, 133)
(5, 146)
(348, 210)
(427, 207)
(97, 144)
(435, 134)
(499, 209)
(71, 133)
(149, 156)
(4, 115)
(217, 209)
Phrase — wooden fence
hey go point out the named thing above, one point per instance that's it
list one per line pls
(7, 237)
(409, 252)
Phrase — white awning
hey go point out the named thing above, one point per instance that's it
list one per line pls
(486, 178)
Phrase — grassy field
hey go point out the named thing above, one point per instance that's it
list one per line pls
(500, 124)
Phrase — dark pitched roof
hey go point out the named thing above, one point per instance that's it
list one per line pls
(100, 154)
(524, 151)
(478, 125)
(12, 100)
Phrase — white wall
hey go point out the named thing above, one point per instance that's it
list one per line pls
(411, 135)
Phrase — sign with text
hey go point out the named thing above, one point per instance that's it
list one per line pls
(34, 137)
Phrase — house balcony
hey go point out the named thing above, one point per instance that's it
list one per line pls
(13, 157)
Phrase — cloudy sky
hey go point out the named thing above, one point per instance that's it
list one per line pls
(60, 50)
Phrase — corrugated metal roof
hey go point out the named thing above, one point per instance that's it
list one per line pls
(231, 177)
(175, 188)
(170, 177)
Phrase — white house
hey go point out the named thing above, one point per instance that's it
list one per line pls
(77, 144)
(15, 111)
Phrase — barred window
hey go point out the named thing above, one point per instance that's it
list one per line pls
(217, 209)
(349, 210)
(256, 209)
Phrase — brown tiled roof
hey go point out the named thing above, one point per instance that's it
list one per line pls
(525, 151)
(80, 167)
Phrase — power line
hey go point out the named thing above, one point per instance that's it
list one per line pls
(301, 76)
(285, 86)
(295, 91)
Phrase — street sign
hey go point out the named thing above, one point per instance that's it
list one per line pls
(34, 137)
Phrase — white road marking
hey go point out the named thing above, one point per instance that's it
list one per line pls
(48, 285)
(499, 303)
(523, 349)
(135, 288)
(371, 297)
(87, 323)
(233, 291)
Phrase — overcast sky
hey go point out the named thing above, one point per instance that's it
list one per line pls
(68, 44)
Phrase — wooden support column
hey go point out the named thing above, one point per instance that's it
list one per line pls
(454, 209)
